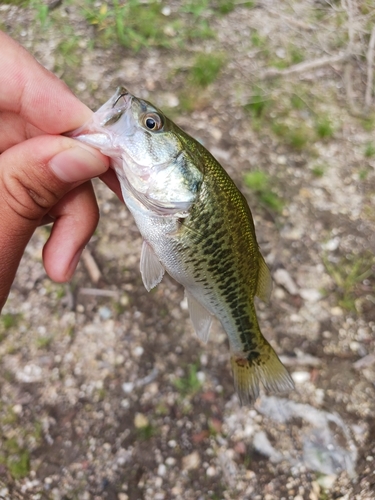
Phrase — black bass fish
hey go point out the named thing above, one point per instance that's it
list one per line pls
(196, 225)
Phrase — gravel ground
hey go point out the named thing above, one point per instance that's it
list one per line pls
(105, 391)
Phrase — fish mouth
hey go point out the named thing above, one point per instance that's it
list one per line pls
(108, 114)
(113, 109)
(121, 93)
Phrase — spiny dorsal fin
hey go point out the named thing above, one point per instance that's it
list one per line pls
(152, 270)
(264, 285)
(200, 318)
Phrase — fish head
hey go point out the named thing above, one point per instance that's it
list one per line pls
(151, 155)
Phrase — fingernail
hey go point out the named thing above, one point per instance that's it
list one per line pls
(78, 164)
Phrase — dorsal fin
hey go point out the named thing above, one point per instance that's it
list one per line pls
(264, 285)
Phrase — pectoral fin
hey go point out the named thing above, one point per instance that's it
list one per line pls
(152, 270)
(200, 318)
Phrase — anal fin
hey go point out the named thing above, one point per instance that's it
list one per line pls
(200, 318)
(152, 270)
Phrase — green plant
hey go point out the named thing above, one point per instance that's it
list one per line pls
(131, 23)
(259, 183)
(318, 170)
(147, 432)
(68, 57)
(257, 180)
(364, 173)
(369, 149)
(206, 68)
(20, 3)
(41, 11)
(257, 40)
(187, 101)
(16, 458)
(368, 123)
(324, 128)
(258, 104)
(43, 342)
(190, 384)
(295, 54)
(347, 274)
(296, 134)
(195, 7)
(297, 102)
(10, 320)
(225, 6)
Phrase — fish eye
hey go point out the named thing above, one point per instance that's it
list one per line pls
(153, 121)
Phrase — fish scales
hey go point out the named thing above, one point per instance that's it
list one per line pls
(196, 225)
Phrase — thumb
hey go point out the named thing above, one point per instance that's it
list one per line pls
(34, 176)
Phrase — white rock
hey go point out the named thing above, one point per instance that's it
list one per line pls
(17, 409)
(191, 461)
(140, 421)
(138, 351)
(283, 278)
(331, 245)
(29, 374)
(127, 387)
(327, 481)
(300, 377)
(166, 10)
(211, 471)
(162, 469)
(310, 294)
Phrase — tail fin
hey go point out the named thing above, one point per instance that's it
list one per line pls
(266, 369)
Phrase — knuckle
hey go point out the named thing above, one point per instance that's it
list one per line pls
(30, 198)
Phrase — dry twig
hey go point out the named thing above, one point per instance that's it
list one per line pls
(91, 266)
(306, 66)
(370, 70)
(290, 20)
(98, 292)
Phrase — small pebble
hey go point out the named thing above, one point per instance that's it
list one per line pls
(166, 10)
(17, 409)
(127, 387)
(162, 469)
(140, 421)
(211, 471)
(300, 377)
(138, 351)
(327, 481)
(191, 461)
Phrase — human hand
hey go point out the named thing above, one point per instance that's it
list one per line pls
(43, 176)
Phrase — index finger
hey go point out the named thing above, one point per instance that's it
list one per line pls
(28, 89)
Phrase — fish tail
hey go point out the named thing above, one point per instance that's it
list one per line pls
(263, 366)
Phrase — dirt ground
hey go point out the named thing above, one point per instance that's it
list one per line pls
(106, 393)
